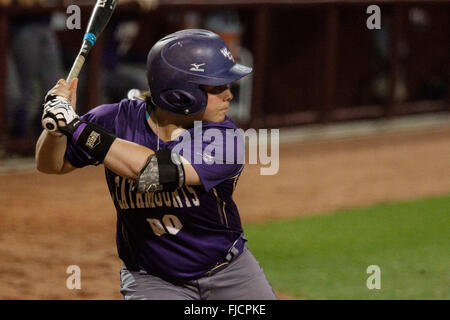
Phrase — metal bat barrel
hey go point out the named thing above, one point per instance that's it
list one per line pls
(100, 16)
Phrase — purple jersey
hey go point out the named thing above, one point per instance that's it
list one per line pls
(176, 235)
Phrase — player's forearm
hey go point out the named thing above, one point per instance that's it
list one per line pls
(50, 152)
(126, 158)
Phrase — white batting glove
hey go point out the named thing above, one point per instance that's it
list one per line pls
(57, 113)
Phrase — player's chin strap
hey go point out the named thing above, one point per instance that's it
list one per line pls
(163, 170)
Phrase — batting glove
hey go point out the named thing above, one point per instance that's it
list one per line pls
(57, 109)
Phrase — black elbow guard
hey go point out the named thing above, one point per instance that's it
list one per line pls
(163, 171)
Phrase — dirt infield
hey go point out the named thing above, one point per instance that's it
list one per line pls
(50, 222)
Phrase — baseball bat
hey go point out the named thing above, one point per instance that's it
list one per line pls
(98, 20)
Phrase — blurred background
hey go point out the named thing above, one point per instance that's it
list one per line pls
(363, 117)
(315, 61)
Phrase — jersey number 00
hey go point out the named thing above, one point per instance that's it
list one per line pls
(168, 224)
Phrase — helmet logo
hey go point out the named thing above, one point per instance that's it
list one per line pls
(196, 67)
(226, 53)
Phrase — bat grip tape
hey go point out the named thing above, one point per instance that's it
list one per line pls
(76, 68)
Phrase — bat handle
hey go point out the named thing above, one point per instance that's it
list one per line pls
(49, 124)
(75, 71)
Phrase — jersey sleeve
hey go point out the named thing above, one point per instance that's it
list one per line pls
(103, 115)
(217, 156)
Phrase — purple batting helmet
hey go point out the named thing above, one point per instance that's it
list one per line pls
(181, 62)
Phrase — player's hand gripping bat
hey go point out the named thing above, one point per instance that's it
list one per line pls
(100, 16)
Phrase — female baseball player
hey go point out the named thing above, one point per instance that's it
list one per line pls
(179, 232)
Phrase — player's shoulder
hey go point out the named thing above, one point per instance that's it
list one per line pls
(109, 112)
(124, 106)
(133, 104)
(132, 108)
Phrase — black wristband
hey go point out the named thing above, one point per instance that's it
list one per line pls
(163, 171)
(93, 139)
(168, 171)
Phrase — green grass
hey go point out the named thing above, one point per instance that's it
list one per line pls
(326, 256)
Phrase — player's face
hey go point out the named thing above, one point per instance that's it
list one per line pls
(219, 98)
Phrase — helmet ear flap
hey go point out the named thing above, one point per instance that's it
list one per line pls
(178, 98)
(183, 100)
